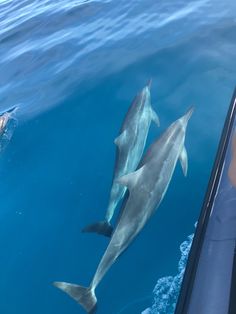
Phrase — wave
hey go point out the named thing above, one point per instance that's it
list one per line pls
(167, 288)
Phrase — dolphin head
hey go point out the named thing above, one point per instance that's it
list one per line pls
(143, 98)
(149, 83)
(184, 119)
(145, 93)
(9, 114)
(13, 110)
(6, 116)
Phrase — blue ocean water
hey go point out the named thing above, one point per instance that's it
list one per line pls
(73, 68)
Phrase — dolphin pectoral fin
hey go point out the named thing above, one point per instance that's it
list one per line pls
(101, 227)
(121, 139)
(183, 157)
(155, 117)
(129, 180)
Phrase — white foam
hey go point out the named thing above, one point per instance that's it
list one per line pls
(167, 288)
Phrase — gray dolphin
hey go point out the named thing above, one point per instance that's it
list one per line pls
(147, 187)
(130, 146)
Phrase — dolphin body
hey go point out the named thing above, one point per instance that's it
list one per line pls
(130, 146)
(147, 187)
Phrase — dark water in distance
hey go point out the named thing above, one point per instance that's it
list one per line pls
(73, 69)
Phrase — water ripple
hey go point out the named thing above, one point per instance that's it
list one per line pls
(46, 41)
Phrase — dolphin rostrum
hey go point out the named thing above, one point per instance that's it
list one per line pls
(130, 146)
(147, 187)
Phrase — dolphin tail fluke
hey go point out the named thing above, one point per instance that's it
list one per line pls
(84, 296)
(101, 227)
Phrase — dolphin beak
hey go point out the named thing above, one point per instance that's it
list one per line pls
(187, 116)
(149, 83)
(189, 113)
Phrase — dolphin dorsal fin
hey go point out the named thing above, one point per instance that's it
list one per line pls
(155, 117)
(121, 139)
(183, 157)
(129, 180)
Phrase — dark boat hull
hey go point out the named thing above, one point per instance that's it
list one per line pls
(209, 284)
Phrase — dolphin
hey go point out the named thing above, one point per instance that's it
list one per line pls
(5, 117)
(147, 187)
(130, 146)
(7, 125)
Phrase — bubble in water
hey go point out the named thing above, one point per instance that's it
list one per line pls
(167, 288)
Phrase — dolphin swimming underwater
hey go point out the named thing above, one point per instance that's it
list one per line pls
(147, 187)
(7, 126)
(5, 117)
(130, 146)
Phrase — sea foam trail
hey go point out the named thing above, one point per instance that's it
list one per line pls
(167, 288)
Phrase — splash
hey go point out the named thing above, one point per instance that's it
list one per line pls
(167, 288)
